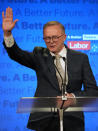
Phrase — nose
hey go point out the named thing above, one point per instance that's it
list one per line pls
(51, 40)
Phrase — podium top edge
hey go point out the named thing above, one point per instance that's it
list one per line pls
(86, 97)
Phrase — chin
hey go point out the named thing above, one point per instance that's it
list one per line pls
(53, 51)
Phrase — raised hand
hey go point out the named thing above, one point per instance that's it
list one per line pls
(7, 20)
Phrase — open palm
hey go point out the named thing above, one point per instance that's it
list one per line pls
(7, 20)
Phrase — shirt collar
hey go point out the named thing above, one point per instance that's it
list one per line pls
(62, 53)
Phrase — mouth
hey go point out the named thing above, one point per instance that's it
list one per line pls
(52, 46)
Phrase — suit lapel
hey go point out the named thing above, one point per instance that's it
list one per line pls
(69, 64)
(51, 74)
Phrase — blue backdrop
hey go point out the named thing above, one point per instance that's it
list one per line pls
(80, 18)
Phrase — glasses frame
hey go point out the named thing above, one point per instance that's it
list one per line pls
(54, 38)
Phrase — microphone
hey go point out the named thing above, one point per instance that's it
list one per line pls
(53, 57)
(64, 59)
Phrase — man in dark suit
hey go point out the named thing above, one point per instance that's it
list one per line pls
(42, 60)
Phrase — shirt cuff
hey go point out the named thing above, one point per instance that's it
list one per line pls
(73, 95)
(74, 98)
(9, 41)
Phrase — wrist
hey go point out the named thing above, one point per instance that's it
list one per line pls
(7, 33)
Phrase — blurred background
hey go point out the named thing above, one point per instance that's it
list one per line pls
(80, 18)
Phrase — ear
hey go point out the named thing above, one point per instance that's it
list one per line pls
(64, 37)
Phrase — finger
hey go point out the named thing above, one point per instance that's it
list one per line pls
(67, 94)
(3, 15)
(10, 13)
(7, 12)
(58, 96)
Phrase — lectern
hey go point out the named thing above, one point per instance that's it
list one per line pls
(54, 104)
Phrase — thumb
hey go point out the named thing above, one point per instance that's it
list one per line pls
(15, 21)
(13, 24)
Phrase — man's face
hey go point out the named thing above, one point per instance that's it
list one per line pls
(54, 38)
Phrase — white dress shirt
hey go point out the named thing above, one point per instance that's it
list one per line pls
(9, 41)
(63, 54)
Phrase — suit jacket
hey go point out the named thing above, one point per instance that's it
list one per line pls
(79, 72)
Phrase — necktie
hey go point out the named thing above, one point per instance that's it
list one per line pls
(59, 71)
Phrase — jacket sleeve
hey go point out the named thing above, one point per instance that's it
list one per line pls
(88, 80)
(23, 57)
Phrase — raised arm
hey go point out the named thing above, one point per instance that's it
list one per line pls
(7, 21)
(23, 57)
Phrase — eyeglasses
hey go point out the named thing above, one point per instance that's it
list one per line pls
(54, 38)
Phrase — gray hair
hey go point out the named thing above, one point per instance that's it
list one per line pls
(51, 23)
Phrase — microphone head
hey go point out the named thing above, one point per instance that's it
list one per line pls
(53, 57)
(64, 58)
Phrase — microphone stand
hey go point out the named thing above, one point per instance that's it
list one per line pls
(64, 93)
(63, 86)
